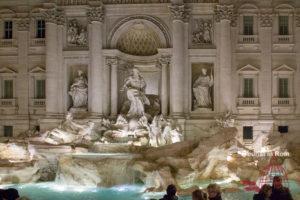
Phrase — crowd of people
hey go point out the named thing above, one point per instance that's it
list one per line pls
(275, 192)
(213, 193)
(10, 194)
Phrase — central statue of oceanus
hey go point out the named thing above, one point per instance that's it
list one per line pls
(135, 86)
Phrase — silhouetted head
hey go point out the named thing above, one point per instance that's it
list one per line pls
(11, 194)
(277, 182)
(199, 195)
(266, 190)
(171, 190)
(213, 190)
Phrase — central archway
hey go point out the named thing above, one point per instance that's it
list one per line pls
(147, 29)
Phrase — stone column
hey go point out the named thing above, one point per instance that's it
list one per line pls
(112, 62)
(95, 71)
(224, 14)
(61, 78)
(52, 69)
(23, 79)
(265, 80)
(177, 83)
(164, 96)
(297, 72)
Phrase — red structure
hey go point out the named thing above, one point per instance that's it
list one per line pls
(274, 168)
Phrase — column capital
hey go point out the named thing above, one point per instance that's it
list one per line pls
(54, 15)
(95, 14)
(112, 60)
(224, 12)
(266, 19)
(180, 12)
(23, 24)
(297, 18)
(164, 60)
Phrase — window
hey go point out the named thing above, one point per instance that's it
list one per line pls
(8, 29)
(248, 133)
(8, 131)
(283, 88)
(8, 90)
(248, 87)
(40, 29)
(248, 25)
(283, 129)
(283, 25)
(40, 89)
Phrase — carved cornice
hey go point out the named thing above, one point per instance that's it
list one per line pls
(266, 19)
(23, 24)
(224, 12)
(54, 15)
(180, 12)
(96, 14)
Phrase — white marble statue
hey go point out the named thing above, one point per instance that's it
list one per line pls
(202, 90)
(155, 133)
(202, 33)
(135, 86)
(69, 132)
(79, 91)
(171, 133)
(77, 35)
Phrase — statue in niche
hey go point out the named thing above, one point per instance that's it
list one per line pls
(77, 35)
(79, 91)
(135, 86)
(203, 32)
(202, 88)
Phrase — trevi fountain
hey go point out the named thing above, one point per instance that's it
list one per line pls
(139, 154)
(117, 99)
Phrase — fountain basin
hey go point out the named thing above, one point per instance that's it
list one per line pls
(52, 190)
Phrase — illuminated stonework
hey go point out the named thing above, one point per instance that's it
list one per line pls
(139, 40)
(248, 50)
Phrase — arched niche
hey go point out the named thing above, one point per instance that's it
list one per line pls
(155, 24)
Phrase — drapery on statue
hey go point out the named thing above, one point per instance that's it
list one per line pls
(202, 90)
(79, 91)
(135, 86)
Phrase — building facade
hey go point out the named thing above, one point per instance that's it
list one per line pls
(200, 58)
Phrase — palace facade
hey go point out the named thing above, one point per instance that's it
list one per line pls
(199, 58)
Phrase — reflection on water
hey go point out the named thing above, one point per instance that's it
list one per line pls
(51, 190)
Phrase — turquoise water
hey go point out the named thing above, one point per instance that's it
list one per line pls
(51, 190)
